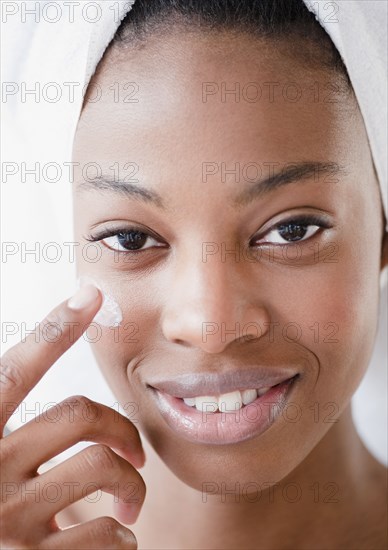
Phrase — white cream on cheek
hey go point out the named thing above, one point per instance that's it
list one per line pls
(109, 315)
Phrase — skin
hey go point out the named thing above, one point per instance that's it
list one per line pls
(169, 292)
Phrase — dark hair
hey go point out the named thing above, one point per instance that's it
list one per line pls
(276, 20)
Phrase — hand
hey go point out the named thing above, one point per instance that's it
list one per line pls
(27, 508)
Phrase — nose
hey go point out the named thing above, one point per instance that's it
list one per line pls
(210, 305)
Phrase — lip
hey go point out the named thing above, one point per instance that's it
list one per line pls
(216, 383)
(222, 428)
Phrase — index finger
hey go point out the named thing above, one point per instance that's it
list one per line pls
(23, 365)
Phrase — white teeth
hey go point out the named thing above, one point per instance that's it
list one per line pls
(227, 402)
(206, 404)
(262, 391)
(190, 401)
(248, 396)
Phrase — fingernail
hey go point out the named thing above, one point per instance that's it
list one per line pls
(83, 298)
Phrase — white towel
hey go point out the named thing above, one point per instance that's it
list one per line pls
(38, 51)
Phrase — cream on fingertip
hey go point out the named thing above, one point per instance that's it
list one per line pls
(109, 315)
(83, 298)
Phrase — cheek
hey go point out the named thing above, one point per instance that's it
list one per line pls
(119, 347)
(334, 309)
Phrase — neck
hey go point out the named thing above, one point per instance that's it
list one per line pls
(313, 502)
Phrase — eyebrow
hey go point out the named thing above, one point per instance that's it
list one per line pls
(292, 173)
(123, 188)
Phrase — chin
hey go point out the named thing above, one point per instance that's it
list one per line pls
(246, 467)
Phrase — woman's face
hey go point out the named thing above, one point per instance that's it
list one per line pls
(257, 228)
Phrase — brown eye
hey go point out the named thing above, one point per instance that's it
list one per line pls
(289, 233)
(127, 241)
(132, 240)
(292, 232)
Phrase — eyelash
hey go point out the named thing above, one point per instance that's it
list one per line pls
(304, 221)
(125, 231)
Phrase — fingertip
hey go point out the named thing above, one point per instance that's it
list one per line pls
(139, 459)
(84, 298)
(126, 513)
(133, 452)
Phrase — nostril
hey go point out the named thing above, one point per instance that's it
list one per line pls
(181, 342)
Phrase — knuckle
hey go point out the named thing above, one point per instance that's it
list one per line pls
(105, 529)
(100, 457)
(74, 408)
(11, 370)
(80, 401)
(83, 413)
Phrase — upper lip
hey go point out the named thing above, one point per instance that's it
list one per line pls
(216, 383)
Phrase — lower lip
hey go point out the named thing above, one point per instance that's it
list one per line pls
(224, 428)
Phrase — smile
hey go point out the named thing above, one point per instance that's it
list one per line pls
(223, 417)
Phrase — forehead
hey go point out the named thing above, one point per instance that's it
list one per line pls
(213, 97)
